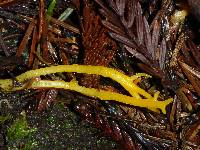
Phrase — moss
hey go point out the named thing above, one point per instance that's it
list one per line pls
(19, 134)
(5, 118)
(104, 141)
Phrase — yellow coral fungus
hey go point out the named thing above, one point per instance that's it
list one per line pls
(136, 92)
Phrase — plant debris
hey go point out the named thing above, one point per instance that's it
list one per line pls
(60, 57)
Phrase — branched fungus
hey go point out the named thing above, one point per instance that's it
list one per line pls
(139, 97)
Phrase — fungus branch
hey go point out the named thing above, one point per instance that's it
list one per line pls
(136, 92)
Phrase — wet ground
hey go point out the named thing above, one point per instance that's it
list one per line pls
(56, 128)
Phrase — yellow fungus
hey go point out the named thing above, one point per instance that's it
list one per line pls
(178, 17)
(139, 97)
